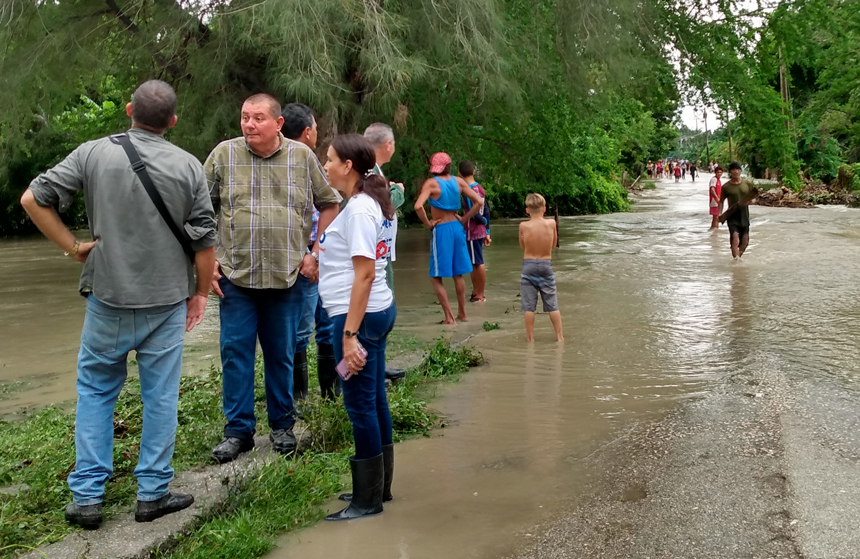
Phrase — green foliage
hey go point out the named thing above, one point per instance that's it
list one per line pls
(39, 451)
(849, 175)
(284, 495)
(542, 100)
(489, 326)
(443, 361)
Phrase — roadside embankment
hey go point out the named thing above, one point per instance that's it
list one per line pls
(766, 466)
(240, 507)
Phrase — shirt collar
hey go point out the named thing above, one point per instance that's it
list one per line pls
(280, 147)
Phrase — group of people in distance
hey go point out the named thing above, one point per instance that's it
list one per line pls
(738, 192)
(665, 168)
(289, 246)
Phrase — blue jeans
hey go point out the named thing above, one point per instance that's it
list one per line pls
(364, 394)
(109, 333)
(313, 313)
(273, 315)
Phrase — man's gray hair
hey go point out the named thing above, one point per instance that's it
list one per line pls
(153, 105)
(378, 133)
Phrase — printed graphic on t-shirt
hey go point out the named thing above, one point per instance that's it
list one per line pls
(381, 250)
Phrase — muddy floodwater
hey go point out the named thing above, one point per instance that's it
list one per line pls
(654, 312)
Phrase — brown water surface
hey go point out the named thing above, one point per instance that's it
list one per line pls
(654, 311)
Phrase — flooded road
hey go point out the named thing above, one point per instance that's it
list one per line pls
(654, 312)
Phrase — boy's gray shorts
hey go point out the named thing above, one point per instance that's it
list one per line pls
(537, 277)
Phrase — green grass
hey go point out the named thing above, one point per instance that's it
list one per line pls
(39, 451)
(648, 185)
(287, 494)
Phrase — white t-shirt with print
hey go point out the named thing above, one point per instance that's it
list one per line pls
(360, 229)
(377, 170)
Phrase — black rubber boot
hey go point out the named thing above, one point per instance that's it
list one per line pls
(367, 486)
(326, 373)
(300, 375)
(388, 464)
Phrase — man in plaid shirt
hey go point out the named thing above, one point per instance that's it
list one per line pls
(266, 188)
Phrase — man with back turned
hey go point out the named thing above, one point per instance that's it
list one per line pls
(140, 289)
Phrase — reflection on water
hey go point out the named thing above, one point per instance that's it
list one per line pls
(653, 307)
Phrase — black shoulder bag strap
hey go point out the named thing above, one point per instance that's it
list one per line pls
(140, 169)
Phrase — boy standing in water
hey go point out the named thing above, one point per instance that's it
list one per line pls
(537, 239)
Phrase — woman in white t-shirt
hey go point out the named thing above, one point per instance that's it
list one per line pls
(353, 255)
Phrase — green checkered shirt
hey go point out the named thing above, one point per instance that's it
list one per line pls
(265, 207)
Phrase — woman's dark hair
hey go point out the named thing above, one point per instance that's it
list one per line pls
(356, 148)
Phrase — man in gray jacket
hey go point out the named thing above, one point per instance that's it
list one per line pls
(140, 289)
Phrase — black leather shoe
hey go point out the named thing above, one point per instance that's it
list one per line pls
(394, 374)
(326, 373)
(147, 511)
(85, 516)
(230, 448)
(367, 486)
(283, 440)
(388, 476)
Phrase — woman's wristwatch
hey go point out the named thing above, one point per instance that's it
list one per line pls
(348, 334)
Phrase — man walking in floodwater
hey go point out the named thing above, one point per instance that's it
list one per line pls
(739, 193)
(449, 256)
(140, 289)
(266, 187)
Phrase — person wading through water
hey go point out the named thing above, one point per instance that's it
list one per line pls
(449, 256)
(739, 192)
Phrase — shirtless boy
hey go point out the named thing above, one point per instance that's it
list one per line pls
(449, 256)
(537, 239)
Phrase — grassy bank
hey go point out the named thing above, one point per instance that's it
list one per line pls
(39, 453)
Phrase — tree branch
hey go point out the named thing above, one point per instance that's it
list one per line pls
(175, 72)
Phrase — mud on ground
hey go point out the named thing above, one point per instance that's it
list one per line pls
(762, 468)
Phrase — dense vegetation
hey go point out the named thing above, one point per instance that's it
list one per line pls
(784, 76)
(556, 96)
